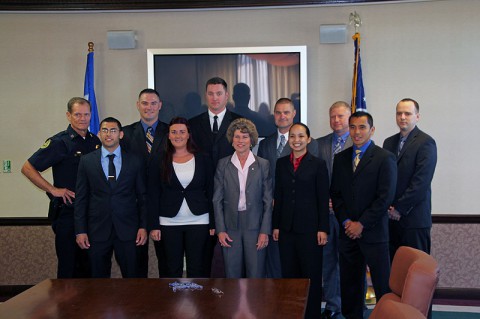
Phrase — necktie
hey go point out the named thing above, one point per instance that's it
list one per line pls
(338, 147)
(400, 145)
(111, 169)
(356, 160)
(281, 145)
(149, 139)
(215, 125)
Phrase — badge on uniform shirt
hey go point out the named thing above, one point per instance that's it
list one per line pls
(46, 144)
(97, 146)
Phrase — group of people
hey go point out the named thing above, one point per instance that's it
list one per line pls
(194, 187)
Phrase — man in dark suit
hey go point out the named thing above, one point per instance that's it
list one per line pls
(328, 146)
(208, 132)
(110, 207)
(272, 148)
(363, 186)
(410, 213)
(209, 128)
(145, 138)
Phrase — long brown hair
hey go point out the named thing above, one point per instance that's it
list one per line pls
(166, 167)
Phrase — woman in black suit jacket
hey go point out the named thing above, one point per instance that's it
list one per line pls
(300, 214)
(181, 209)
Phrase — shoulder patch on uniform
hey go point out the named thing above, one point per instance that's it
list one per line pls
(46, 144)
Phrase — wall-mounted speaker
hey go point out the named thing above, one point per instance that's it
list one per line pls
(121, 40)
(333, 33)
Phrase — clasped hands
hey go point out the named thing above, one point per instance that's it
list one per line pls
(353, 229)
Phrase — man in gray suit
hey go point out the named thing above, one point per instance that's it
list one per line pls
(328, 146)
(272, 148)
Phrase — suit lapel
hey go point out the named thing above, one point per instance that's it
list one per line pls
(205, 124)
(231, 173)
(98, 166)
(411, 138)
(157, 139)
(365, 160)
(253, 171)
(304, 164)
(224, 126)
(139, 137)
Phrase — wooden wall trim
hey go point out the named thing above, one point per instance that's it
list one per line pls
(436, 219)
(75, 5)
(456, 219)
(25, 221)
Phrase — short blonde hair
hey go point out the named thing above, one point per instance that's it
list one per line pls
(245, 126)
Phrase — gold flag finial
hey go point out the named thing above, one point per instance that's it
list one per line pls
(90, 46)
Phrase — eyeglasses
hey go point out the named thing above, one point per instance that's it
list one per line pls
(112, 130)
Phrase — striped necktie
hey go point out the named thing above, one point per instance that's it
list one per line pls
(356, 160)
(403, 139)
(149, 139)
(337, 147)
(281, 145)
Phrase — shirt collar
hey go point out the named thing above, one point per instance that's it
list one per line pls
(117, 152)
(145, 126)
(363, 148)
(344, 136)
(236, 161)
(280, 134)
(220, 115)
(73, 134)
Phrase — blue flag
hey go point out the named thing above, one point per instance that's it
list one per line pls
(358, 94)
(89, 94)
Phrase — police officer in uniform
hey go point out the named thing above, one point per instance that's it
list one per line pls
(62, 153)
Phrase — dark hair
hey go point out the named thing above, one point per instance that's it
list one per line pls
(307, 130)
(362, 114)
(111, 120)
(148, 91)
(216, 80)
(407, 99)
(77, 100)
(169, 149)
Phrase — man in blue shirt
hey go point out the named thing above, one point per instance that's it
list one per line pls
(145, 138)
(110, 205)
(328, 147)
(363, 186)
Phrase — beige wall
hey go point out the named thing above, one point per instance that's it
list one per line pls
(425, 50)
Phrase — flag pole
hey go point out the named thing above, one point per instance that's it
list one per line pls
(356, 38)
(89, 90)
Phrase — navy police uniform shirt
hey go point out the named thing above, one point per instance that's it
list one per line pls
(62, 153)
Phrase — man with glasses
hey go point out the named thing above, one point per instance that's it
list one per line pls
(110, 205)
(62, 152)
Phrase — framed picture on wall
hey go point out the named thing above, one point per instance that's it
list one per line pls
(256, 76)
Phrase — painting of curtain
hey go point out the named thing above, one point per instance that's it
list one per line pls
(256, 79)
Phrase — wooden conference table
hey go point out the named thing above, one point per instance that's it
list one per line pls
(154, 298)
